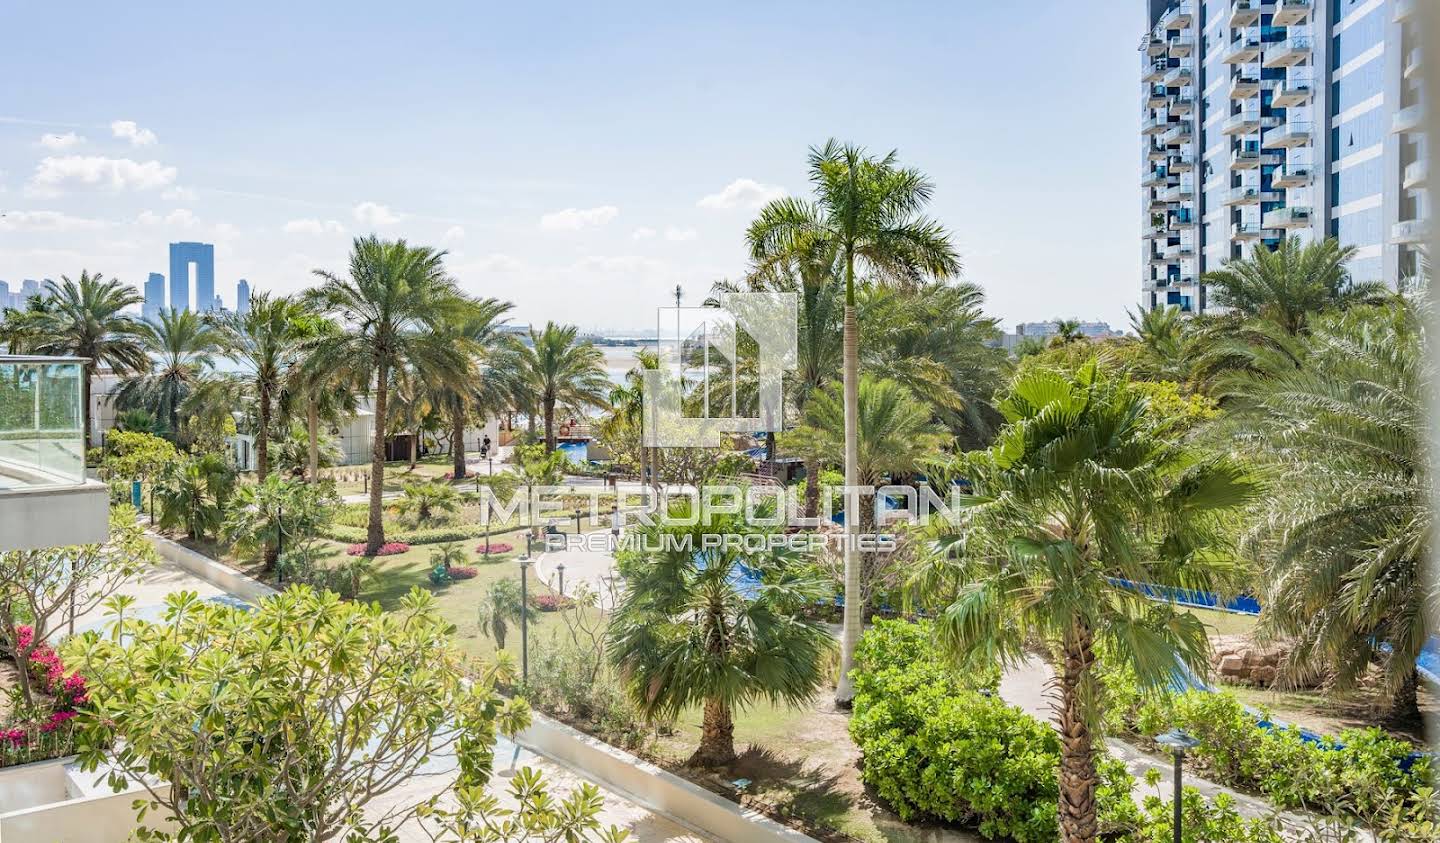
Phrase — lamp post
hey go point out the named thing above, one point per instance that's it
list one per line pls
(279, 544)
(1179, 741)
(577, 522)
(560, 569)
(524, 621)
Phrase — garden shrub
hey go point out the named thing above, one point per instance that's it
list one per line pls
(44, 730)
(349, 534)
(940, 745)
(551, 602)
(495, 547)
(386, 549)
(462, 572)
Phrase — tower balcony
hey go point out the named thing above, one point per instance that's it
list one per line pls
(1244, 13)
(1241, 123)
(1157, 96)
(1412, 63)
(1293, 92)
(1292, 217)
(1288, 135)
(1409, 119)
(1417, 174)
(1290, 12)
(1154, 126)
(1175, 133)
(1406, 9)
(1292, 175)
(1410, 232)
(1155, 178)
(1176, 76)
(1152, 70)
(1179, 16)
(1157, 153)
(45, 499)
(1245, 159)
(1181, 162)
(1245, 231)
(1244, 87)
(1243, 195)
(1289, 52)
(1242, 50)
(1181, 46)
(1156, 46)
(1182, 104)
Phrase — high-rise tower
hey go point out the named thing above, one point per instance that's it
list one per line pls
(182, 255)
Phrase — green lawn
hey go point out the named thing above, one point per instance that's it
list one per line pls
(1226, 623)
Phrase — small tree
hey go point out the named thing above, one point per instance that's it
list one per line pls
(275, 511)
(193, 493)
(696, 627)
(537, 817)
(40, 587)
(131, 455)
(284, 723)
(499, 607)
(423, 500)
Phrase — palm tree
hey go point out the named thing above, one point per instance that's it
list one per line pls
(1078, 491)
(499, 607)
(410, 409)
(867, 212)
(85, 318)
(1346, 532)
(716, 627)
(1289, 284)
(193, 493)
(267, 341)
(424, 500)
(391, 303)
(326, 388)
(565, 372)
(1066, 332)
(182, 346)
(1166, 349)
(627, 412)
(485, 391)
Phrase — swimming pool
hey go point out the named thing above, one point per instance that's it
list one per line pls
(578, 452)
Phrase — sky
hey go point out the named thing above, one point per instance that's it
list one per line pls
(579, 160)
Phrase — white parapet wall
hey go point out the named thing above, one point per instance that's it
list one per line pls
(652, 787)
(222, 576)
(50, 801)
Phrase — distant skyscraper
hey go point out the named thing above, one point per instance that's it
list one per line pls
(242, 297)
(29, 288)
(154, 296)
(5, 295)
(182, 255)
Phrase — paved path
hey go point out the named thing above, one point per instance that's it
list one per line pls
(1029, 688)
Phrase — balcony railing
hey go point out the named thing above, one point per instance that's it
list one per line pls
(1178, 75)
(1410, 232)
(1154, 126)
(1412, 63)
(1243, 195)
(41, 435)
(1291, 175)
(1290, 12)
(1175, 133)
(1244, 49)
(1292, 92)
(1290, 134)
(1244, 87)
(1179, 16)
(1292, 50)
(1292, 217)
(1407, 119)
(1417, 174)
(1405, 10)
(1243, 13)
(1245, 159)
(1245, 231)
(1242, 123)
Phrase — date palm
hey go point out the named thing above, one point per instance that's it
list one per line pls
(694, 628)
(389, 304)
(1166, 348)
(868, 212)
(1081, 489)
(85, 318)
(563, 371)
(1287, 285)
(266, 341)
(182, 347)
(1345, 554)
(483, 390)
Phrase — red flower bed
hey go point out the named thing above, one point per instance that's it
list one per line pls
(460, 572)
(386, 549)
(48, 673)
(551, 602)
(497, 547)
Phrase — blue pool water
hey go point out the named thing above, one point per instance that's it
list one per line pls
(578, 452)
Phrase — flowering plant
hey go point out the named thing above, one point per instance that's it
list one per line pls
(386, 549)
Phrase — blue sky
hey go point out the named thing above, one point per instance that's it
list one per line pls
(579, 160)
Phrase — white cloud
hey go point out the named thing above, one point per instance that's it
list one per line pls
(128, 130)
(373, 215)
(46, 221)
(742, 193)
(65, 141)
(680, 234)
(494, 262)
(644, 232)
(180, 194)
(52, 174)
(178, 218)
(574, 219)
(616, 264)
(453, 233)
(313, 226)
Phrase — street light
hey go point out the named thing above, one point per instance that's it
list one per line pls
(524, 623)
(1179, 741)
(560, 569)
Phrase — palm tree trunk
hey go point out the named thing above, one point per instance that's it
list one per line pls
(770, 453)
(1078, 780)
(375, 528)
(854, 621)
(414, 448)
(262, 438)
(717, 736)
(549, 425)
(457, 447)
(812, 487)
(1405, 708)
(312, 426)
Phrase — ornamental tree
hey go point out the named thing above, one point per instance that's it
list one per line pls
(285, 722)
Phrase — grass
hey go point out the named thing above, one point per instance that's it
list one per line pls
(1226, 623)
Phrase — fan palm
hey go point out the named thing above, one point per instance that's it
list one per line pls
(390, 304)
(1347, 535)
(86, 318)
(1166, 352)
(1078, 491)
(868, 213)
(500, 606)
(266, 341)
(563, 371)
(182, 347)
(694, 628)
(484, 391)
(1289, 284)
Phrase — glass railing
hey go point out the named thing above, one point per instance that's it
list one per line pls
(41, 438)
(1293, 44)
(1243, 118)
(1407, 119)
